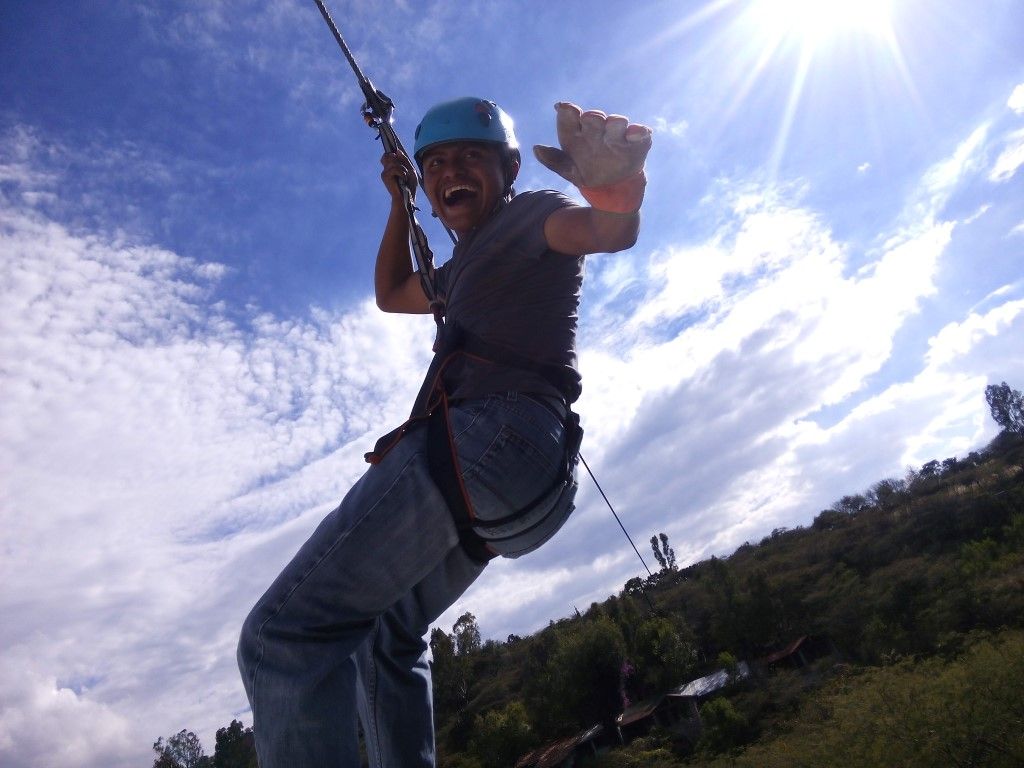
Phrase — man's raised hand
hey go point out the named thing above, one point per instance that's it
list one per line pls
(597, 149)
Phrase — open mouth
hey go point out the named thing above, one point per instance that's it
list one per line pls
(458, 195)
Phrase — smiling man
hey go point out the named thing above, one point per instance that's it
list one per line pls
(485, 466)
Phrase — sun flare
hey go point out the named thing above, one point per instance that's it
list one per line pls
(811, 22)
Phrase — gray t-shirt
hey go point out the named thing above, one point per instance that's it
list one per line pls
(505, 286)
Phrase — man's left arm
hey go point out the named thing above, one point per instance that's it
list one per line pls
(603, 155)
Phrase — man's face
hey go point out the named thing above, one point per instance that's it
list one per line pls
(464, 180)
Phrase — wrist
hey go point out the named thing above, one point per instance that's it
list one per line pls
(624, 196)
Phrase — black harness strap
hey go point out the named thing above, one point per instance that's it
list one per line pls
(443, 460)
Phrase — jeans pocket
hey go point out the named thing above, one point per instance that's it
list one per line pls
(509, 455)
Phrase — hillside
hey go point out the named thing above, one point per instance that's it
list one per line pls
(912, 572)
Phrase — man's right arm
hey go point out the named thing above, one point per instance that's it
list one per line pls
(396, 285)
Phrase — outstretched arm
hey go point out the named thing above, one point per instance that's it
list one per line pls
(396, 284)
(603, 155)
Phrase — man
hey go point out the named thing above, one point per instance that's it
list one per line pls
(485, 467)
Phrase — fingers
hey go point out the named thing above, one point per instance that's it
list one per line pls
(556, 160)
(567, 120)
(594, 126)
(637, 133)
(397, 168)
(597, 148)
(398, 163)
(615, 129)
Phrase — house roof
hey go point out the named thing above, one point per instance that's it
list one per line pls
(639, 711)
(707, 685)
(552, 754)
(783, 653)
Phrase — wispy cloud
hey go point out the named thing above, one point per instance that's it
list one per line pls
(666, 126)
(1010, 159)
(1016, 100)
(151, 446)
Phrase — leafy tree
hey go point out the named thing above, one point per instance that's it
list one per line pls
(634, 586)
(829, 519)
(588, 663)
(664, 655)
(891, 491)
(663, 553)
(851, 505)
(501, 736)
(1007, 406)
(183, 750)
(235, 747)
(448, 673)
(467, 634)
(723, 727)
(542, 691)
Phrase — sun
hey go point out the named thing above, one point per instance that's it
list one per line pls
(803, 33)
(810, 23)
(782, 55)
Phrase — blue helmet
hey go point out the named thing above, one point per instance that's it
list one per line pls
(465, 119)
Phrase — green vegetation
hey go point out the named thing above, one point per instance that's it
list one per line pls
(967, 711)
(916, 585)
(900, 578)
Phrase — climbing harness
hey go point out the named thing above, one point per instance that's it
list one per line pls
(432, 404)
(432, 408)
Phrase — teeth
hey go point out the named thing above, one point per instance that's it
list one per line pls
(452, 190)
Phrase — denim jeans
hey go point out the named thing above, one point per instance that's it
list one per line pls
(341, 631)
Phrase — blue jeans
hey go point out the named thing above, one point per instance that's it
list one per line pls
(341, 632)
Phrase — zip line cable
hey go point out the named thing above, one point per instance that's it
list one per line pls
(377, 110)
(647, 597)
(599, 488)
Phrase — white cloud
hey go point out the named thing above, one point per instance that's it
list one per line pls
(674, 128)
(1010, 159)
(955, 340)
(1016, 100)
(46, 725)
(943, 178)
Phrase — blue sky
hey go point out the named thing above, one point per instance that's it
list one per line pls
(191, 364)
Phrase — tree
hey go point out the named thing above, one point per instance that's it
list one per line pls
(501, 736)
(723, 727)
(1007, 406)
(634, 586)
(467, 634)
(235, 747)
(665, 653)
(183, 750)
(587, 666)
(448, 673)
(851, 505)
(664, 554)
